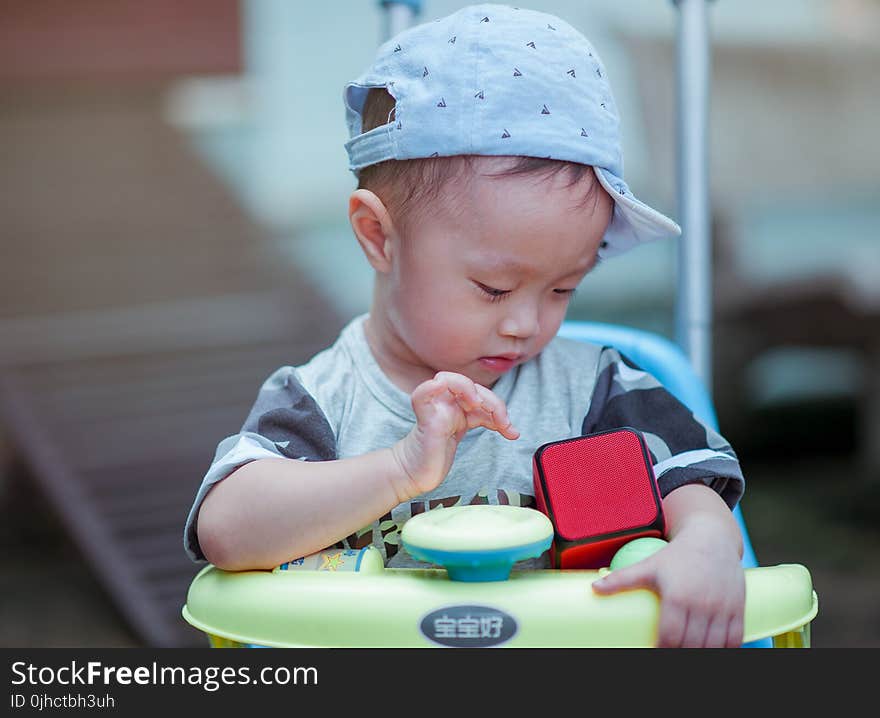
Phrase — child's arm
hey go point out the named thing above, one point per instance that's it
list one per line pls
(271, 510)
(698, 576)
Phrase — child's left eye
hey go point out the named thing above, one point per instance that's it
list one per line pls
(495, 295)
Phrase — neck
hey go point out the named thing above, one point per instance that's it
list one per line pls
(396, 360)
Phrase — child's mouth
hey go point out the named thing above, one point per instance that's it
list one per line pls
(499, 363)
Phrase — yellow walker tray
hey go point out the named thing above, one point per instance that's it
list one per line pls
(475, 600)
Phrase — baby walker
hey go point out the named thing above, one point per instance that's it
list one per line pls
(347, 598)
(475, 600)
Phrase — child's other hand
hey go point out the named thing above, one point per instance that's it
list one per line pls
(701, 585)
(446, 408)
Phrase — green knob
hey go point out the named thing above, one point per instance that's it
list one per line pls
(635, 550)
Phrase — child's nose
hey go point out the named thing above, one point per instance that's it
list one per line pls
(521, 321)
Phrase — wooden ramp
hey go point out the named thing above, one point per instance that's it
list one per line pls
(140, 310)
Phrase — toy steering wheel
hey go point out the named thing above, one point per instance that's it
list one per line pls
(477, 543)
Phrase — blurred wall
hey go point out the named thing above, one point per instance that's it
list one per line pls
(110, 38)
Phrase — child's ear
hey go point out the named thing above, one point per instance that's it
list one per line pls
(372, 226)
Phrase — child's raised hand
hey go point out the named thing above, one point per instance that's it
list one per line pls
(701, 586)
(446, 408)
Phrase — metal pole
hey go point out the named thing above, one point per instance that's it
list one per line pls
(399, 15)
(693, 309)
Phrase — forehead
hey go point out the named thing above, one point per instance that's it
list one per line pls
(543, 192)
(525, 223)
(539, 263)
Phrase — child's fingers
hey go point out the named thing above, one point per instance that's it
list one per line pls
(675, 623)
(716, 633)
(463, 389)
(696, 630)
(639, 575)
(444, 388)
(428, 390)
(478, 402)
(672, 625)
(673, 620)
(493, 404)
(735, 632)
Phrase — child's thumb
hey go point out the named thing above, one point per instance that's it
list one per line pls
(639, 575)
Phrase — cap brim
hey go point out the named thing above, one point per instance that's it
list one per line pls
(633, 222)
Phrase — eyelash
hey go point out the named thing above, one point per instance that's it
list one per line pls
(497, 295)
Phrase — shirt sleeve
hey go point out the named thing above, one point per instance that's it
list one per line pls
(683, 449)
(284, 422)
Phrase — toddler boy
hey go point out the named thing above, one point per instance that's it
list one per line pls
(487, 150)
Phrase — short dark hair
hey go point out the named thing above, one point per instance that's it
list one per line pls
(404, 186)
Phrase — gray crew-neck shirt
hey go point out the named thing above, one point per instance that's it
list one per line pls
(340, 404)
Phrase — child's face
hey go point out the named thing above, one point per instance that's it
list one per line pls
(490, 274)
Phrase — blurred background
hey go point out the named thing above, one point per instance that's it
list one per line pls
(173, 195)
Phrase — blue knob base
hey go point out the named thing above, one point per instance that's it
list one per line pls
(475, 566)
